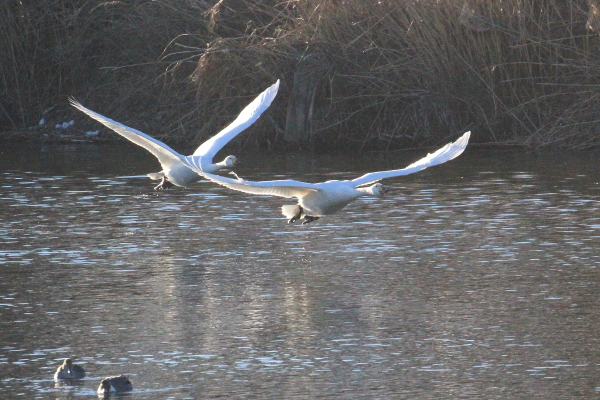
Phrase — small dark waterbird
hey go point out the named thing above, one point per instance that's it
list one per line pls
(68, 370)
(115, 384)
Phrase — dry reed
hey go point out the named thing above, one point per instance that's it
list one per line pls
(363, 73)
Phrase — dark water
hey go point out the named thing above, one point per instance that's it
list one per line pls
(476, 279)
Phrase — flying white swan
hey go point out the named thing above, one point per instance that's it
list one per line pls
(318, 199)
(175, 171)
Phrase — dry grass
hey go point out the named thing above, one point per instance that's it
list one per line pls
(365, 73)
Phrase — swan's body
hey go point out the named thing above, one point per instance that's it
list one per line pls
(318, 199)
(68, 370)
(174, 167)
(118, 384)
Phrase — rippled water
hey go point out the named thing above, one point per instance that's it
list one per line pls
(476, 279)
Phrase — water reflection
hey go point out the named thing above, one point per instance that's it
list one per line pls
(478, 279)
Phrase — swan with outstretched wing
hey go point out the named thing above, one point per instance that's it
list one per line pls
(318, 199)
(175, 166)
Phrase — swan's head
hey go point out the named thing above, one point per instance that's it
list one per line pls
(231, 161)
(378, 189)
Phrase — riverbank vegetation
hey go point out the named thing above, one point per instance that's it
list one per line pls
(361, 73)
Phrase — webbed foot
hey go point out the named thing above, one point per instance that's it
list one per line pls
(308, 219)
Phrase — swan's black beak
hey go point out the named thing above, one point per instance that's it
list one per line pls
(237, 162)
(384, 189)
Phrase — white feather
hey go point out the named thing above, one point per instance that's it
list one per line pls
(290, 210)
(175, 169)
(318, 199)
(446, 153)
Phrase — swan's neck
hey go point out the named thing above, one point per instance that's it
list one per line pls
(367, 191)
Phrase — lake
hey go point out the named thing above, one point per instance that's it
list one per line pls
(478, 278)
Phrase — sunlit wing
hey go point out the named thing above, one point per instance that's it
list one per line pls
(246, 118)
(283, 188)
(446, 153)
(166, 155)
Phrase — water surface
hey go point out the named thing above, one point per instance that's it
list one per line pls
(475, 279)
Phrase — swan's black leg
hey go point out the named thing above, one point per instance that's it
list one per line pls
(308, 219)
(164, 184)
(160, 184)
(297, 216)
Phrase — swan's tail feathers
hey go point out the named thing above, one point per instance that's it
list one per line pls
(290, 210)
(156, 175)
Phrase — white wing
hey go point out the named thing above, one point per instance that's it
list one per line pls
(446, 153)
(166, 155)
(246, 118)
(284, 188)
